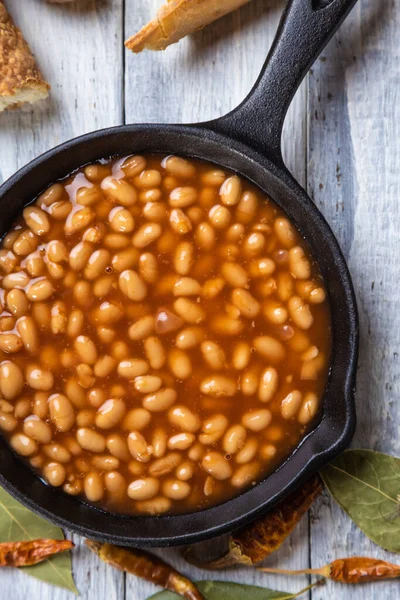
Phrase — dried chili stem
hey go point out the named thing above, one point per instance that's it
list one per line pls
(324, 571)
(357, 569)
(317, 583)
(24, 554)
(145, 565)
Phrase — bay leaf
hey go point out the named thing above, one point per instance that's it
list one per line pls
(17, 524)
(366, 484)
(225, 590)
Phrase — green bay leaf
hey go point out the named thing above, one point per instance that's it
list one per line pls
(366, 484)
(225, 590)
(17, 524)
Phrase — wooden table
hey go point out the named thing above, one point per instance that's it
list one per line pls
(342, 141)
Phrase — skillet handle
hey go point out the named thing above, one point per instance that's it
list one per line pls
(305, 28)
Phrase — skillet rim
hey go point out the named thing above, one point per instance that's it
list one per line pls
(314, 446)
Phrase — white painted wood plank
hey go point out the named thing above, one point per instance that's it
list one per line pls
(208, 74)
(201, 78)
(363, 122)
(292, 555)
(353, 175)
(79, 48)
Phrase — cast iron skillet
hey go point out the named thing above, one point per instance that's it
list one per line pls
(247, 140)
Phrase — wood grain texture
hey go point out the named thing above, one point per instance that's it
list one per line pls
(201, 78)
(353, 158)
(79, 48)
(340, 140)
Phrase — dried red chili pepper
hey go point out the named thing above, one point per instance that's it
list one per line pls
(358, 569)
(145, 565)
(24, 554)
(252, 543)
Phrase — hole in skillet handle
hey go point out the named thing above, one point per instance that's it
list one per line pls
(320, 4)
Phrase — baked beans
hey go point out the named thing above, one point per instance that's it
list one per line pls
(164, 335)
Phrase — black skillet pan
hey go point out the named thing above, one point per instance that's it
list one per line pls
(247, 140)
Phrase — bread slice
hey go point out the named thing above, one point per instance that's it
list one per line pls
(178, 18)
(20, 79)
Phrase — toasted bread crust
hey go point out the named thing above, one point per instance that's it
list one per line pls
(20, 79)
(178, 18)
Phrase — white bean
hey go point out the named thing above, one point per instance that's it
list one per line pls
(186, 286)
(181, 197)
(132, 367)
(179, 363)
(181, 441)
(284, 232)
(121, 220)
(185, 471)
(205, 236)
(268, 384)
(138, 447)
(234, 439)
(246, 475)
(183, 257)
(257, 420)
(132, 286)
(39, 290)
(136, 419)
(298, 263)
(213, 287)
(189, 311)
(38, 378)
(160, 401)
(179, 167)
(290, 405)
(79, 255)
(91, 440)
(183, 418)
(61, 412)
(248, 306)
(253, 245)
(189, 337)
(308, 409)
(23, 445)
(36, 219)
(148, 267)
(146, 235)
(213, 354)
(217, 466)
(142, 328)
(146, 384)
(97, 263)
(270, 348)
(119, 190)
(218, 385)
(110, 413)
(17, 302)
(300, 312)
(234, 274)
(220, 216)
(175, 489)
(155, 352)
(86, 349)
(241, 355)
(143, 489)
(93, 486)
(179, 221)
(231, 190)
(274, 312)
(248, 451)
